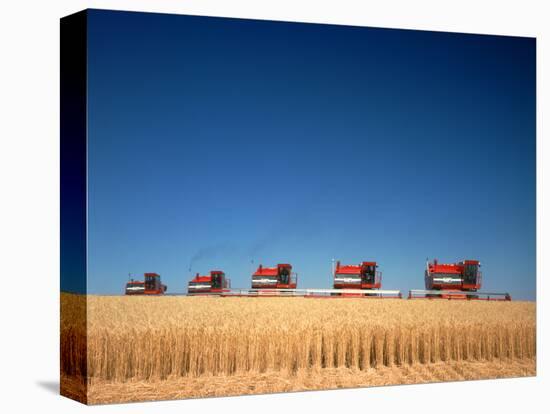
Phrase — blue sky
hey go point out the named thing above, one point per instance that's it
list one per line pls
(225, 143)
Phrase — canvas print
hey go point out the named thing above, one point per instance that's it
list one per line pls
(259, 207)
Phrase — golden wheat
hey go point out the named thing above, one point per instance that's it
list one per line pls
(101, 391)
(73, 347)
(157, 338)
(73, 335)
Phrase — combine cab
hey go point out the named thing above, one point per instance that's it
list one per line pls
(213, 283)
(460, 280)
(280, 277)
(151, 285)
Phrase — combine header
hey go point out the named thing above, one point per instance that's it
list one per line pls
(151, 285)
(454, 281)
(360, 280)
(213, 283)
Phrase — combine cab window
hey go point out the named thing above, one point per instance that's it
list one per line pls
(470, 273)
(216, 281)
(284, 276)
(150, 283)
(368, 275)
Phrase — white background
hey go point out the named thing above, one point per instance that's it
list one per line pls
(29, 202)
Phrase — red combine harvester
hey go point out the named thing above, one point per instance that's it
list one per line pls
(280, 277)
(213, 283)
(362, 277)
(460, 280)
(151, 285)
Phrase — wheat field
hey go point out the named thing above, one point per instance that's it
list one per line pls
(146, 348)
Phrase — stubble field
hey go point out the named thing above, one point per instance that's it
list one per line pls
(151, 348)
